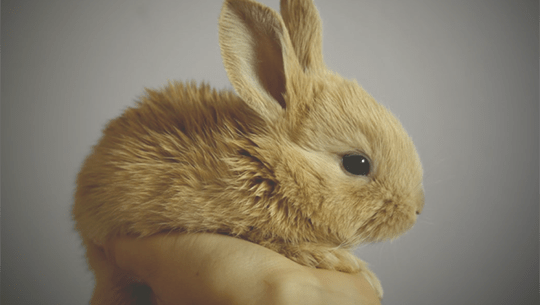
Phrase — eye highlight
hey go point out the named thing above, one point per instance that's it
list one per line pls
(356, 164)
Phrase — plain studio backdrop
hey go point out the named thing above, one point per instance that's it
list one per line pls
(461, 75)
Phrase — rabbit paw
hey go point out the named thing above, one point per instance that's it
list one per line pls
(332, 259)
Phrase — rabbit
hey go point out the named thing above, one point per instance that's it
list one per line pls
(301, 160)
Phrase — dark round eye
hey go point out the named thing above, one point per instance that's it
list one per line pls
(356, 164)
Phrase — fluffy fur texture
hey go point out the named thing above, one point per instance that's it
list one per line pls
(264, 166)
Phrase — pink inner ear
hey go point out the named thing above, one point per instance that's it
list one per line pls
(269, 68)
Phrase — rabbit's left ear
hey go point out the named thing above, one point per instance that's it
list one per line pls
(258, 55)
(305, 28)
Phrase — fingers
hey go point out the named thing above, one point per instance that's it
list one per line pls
(349, 286)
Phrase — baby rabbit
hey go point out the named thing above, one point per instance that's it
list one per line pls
(301, 161)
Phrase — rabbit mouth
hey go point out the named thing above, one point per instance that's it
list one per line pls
(388, 222)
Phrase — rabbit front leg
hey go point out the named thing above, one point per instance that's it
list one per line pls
(345, 261)
(330, 258)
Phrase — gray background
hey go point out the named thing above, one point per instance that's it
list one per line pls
(461, 75)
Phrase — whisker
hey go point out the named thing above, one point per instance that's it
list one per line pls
(425, 221)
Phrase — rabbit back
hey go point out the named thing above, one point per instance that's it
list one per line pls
(160, 165)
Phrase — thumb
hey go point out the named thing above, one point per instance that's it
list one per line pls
(108, 249)
(137, 256)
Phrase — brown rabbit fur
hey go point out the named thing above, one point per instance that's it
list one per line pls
(265, 166)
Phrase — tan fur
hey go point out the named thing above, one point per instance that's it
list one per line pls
(264, 166)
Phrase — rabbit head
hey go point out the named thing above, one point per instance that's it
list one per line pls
(343, 167)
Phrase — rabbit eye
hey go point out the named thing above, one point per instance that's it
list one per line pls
(356, 164)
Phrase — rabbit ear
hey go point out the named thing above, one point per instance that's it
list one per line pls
(305, 28)
(257, 54)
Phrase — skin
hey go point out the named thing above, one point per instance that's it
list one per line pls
(217, 269)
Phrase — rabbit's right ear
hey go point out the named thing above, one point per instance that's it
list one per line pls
(258, 55)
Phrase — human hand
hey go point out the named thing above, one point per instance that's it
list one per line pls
(217, 269)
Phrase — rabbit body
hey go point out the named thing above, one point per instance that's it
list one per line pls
(265, 165)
